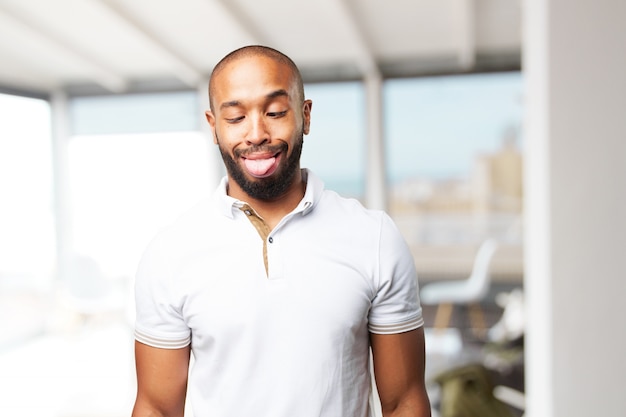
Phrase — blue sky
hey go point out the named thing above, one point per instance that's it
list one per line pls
(435, 126)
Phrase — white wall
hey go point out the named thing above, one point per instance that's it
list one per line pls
(575, 69)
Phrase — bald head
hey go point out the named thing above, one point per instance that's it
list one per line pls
(254, 51)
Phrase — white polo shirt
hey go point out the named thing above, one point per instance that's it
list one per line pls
(288, 336)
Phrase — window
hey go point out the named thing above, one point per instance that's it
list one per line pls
(454, 157)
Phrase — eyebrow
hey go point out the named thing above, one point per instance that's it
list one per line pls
(268, 97)
(227, 104)
(277, 93)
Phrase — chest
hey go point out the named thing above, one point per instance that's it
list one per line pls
(313, 290)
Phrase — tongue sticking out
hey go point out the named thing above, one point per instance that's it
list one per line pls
(259, 167)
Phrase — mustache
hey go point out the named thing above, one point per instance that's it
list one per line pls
(273, 149)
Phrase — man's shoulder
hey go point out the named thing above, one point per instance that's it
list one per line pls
(334, 202)
(352, 217)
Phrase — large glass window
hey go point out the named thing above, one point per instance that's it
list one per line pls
(454, 156)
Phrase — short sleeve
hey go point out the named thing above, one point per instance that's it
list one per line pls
(396, 305)
(159, 320)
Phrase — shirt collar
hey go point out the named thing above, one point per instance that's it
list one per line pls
(225, 203)
(312, 194)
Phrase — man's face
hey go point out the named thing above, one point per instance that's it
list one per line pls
(258, 122)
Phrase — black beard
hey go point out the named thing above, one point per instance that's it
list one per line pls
(270, 188)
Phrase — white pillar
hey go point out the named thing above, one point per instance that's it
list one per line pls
(575, 178)
(216, 167)
(61, 194)
(376, 182)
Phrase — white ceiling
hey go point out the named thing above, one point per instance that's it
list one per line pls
(94, 46)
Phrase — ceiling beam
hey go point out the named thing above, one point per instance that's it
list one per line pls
(467, 34)
(185, 71)
(365, 58)
(244, 23)
(102, 74)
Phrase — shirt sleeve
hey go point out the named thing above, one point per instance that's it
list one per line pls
(159, 320)
(396, 305)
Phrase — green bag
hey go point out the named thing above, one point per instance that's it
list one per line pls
(468, 392)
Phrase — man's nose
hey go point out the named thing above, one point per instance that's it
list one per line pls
(258, 133)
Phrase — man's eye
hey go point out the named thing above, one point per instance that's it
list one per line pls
(234, 119)
(276, 114)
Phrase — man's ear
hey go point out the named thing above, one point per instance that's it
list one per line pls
(211, 119)
(306, 116)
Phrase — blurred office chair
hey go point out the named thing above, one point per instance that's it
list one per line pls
(470, 291)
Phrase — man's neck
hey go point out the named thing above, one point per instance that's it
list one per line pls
(272, 211)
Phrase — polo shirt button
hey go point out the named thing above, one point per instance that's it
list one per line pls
(271, 239)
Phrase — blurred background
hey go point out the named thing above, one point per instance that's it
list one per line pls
(421, 108)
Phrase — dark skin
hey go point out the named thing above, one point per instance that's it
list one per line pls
(161, 381)
(257, 106)
(399, 371)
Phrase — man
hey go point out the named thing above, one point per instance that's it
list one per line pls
(278, 287)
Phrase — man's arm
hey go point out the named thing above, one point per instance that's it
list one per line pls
(161, 381)
(399, 362)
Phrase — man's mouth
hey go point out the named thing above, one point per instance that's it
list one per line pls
(261, 165)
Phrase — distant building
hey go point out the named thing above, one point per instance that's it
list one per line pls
(444, 221)
(497, 179)
(493, 185)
